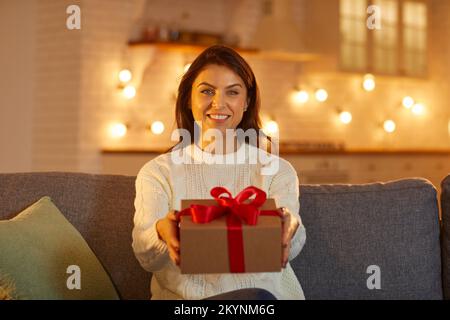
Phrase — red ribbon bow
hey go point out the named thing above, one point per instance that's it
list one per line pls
(236, 211)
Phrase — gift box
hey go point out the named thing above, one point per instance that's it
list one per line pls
(230, 235)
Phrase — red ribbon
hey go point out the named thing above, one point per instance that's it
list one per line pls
(236, 211)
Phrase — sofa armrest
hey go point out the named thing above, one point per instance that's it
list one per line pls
(445, 236)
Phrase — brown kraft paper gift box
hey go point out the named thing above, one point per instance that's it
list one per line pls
(204, 247)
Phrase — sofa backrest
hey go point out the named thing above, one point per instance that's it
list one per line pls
(445, 236)
(101, 207)
(359, 234)
(351, 230)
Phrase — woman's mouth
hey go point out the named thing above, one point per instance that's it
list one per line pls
(218, 117)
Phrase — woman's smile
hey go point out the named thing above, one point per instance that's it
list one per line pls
(218, 118)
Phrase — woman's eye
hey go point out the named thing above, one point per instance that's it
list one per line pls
(233, 92)
(207, 91)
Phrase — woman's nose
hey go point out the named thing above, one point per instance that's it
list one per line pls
(218, 100)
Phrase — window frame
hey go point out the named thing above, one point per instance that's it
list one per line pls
(401, 50)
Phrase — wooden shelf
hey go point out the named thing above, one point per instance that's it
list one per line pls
(183, 47)
(252, 52)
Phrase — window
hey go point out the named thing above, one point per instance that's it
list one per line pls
(385, 40)
(414, 38)
(398, 48)
(353, 34)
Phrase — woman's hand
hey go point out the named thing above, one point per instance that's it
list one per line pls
(167, 229)
(289, 225)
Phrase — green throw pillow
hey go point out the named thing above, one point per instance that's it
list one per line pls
(47, 258)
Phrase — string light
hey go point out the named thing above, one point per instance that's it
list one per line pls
(157, 127)
(118, 130)
(418, 109)
(321, 95)
(389, 126)
(408, 102)
(369, 82)
(129, 91)
(301, 96)
(345, 117)
(125, 75)
(270, 128)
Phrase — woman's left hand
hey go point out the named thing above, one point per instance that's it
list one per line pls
(289, 225)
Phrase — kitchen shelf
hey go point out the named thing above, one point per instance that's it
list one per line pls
(180, 46)
(251, 52)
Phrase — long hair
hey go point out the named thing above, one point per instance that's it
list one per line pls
(223, 56)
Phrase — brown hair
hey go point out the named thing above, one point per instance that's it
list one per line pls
(223, 56)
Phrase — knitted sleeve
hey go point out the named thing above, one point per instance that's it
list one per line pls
(151, 204)
(284, 188)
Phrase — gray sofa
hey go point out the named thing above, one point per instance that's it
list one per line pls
(372, 241)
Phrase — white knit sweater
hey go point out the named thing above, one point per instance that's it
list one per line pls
(162, 183)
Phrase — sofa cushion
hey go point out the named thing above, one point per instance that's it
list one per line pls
(445, 249)
(47, 258)
(99, 206)
(357, 232)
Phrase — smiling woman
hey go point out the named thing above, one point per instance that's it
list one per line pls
(218, 93)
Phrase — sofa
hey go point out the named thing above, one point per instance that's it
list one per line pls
(369, 241)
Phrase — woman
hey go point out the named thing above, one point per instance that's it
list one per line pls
(218, 93)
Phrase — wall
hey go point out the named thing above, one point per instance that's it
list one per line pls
(69, 102)
(16, 83)
(312, 121)
(56, 97)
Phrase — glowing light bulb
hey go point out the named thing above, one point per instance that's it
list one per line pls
(125, 75)
(118, 130)
(369, 82)
(157, 127)
(408, 102)
(129, 92)
(271, 128)
(186, 67)
(418, 109)
(321, 95)
(389, 126)
(301, 96)
(345, 117)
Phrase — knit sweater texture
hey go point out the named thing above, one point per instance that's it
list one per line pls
(164, 181)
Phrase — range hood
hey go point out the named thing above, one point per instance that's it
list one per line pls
(276, 33)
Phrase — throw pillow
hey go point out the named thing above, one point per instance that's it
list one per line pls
(48, 258)
(7, 289)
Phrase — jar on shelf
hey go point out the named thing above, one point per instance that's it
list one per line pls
(151, 32)
(163, 32)
(174, 32)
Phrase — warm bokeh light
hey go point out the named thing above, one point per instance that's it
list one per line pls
(345, 117)
(157, 127)
(418, 109)
(270, 128)
(321, 95)
(408, 102)
(186, 67)
(125, 75)
(389, 126)
(129, 92)
(118, 130)
(301, 96)
(369, 82)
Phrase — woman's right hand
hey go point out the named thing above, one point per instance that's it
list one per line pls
(167, 229)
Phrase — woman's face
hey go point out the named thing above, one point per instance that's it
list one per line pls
(218, 98)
